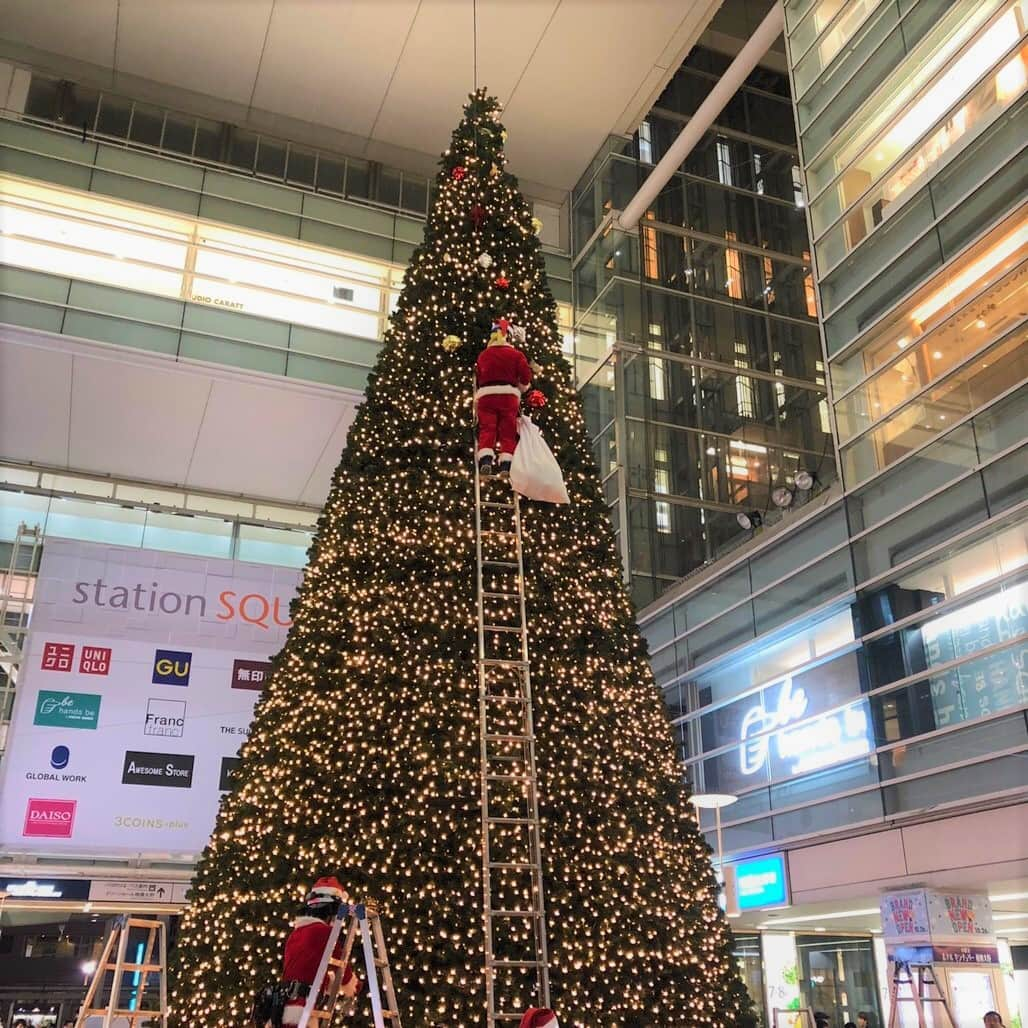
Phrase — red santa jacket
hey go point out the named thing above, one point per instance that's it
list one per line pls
(304, 948)
(502, 369)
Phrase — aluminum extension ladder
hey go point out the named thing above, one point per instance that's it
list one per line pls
(516, 961)
(363, 918)
(151, 958)
(924, 990)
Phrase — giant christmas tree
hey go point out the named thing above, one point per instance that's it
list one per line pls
(363, 759)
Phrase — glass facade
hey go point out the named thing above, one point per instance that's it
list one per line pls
(696, 340)
(867, 660)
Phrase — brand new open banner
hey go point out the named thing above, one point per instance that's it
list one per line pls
(137, 687)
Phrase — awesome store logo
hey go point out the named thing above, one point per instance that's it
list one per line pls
(49, 818)
(171, 770)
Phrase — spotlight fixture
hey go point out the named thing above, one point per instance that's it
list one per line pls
(751, 519)
(805, 480)
(781, 496)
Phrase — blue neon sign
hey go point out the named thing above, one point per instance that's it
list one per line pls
(761, 882)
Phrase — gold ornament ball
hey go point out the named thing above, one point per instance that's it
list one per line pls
(451, 343)
(537, 225)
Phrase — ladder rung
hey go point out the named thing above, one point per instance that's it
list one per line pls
(504, 699)
(515, 963)
(502, 628)
(500, 563)
(511, 866)
(510, 778)
(497, 506)
(501, 662)
(511, 821)
(133, 967)
(514, 913)
(499, 531)
(500, 596)
(510, 738)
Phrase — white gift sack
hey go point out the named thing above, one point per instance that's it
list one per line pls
(534, 471)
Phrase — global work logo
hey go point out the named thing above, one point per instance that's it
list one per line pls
(67, 709)
(171, 667)
(49, 819)
(60, 757)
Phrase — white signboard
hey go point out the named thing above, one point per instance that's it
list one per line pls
(109, 890)
(137, 688)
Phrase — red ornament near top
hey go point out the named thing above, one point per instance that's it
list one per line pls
(535, 399)
(459, 172)
(477, 215)
(502, 281)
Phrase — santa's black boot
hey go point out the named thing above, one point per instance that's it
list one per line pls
(485, 466)
(504, 469)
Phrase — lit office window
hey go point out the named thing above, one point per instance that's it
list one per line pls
(733, 269)
(645, 143)
(662, 485)
(745, 393)
(83, 236)
(658, 379)
(758, 170)
(808, 287)
(724, 163)
(663, 513)
(649, 235)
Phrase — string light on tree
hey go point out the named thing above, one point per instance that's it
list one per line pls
(363, 756)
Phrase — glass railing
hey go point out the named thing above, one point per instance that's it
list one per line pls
(832, 23)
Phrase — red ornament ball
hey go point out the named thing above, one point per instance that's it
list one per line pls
(502, 282)
(477, 215)
(459, 172)
(535, 399)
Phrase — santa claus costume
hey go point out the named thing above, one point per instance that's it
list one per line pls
(502, 374)
(539, 1017)
(306, 944)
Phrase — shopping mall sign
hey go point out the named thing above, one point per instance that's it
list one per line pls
(757, 884)
(944, 927)
(802, 743)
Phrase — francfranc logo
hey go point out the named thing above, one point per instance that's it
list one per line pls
(165, 717)
(254, 608)
(171, 667)
(49, 819)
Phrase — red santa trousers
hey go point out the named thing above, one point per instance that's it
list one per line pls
(497, 420)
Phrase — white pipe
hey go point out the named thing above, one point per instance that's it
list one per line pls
(735, 74)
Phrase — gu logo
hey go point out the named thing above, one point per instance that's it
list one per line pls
(171, 667)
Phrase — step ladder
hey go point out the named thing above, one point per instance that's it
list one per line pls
(365, 919)
(921, 981)
(516, 962)
(154, 961)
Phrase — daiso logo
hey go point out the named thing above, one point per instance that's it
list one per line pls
(52, 819)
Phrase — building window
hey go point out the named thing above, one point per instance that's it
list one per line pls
(724, 163)
(797, 186)
(650, 265)
(758, 171)
(645, 143)
(663, 512)
(808, 287)
(745, 393)
(733, 269)
(658, 379)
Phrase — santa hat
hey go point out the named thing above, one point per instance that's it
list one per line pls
(324, 891)
(539, 1017)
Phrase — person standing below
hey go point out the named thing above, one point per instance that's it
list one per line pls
(502, 374)
(992, 1019)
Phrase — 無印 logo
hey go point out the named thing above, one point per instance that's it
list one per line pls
(171, 667)
(250, 674)
(67, 709)
(49, 818)
(165, 717)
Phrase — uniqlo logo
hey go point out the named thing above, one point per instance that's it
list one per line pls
(95, 660)
(58, 656)
(51, 819)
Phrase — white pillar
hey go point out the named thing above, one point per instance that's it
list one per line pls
(747, 59)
